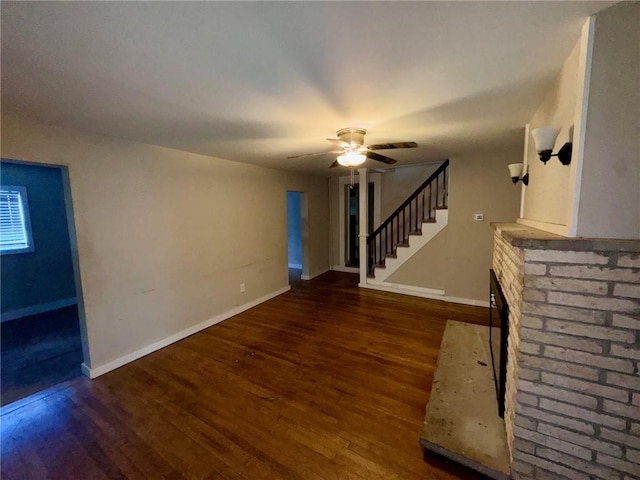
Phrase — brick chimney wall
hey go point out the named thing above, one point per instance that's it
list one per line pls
(573, 380)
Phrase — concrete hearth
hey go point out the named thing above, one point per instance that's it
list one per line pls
(462, 421)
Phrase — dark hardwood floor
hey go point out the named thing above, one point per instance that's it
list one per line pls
(327, 381)
(38, 352)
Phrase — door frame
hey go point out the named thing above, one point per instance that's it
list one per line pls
(75, 259)
(376, 179)
(304, 231)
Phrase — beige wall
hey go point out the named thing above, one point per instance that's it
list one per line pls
(457, 260)
(549, 196)
(596, 101)
(166, 237)
(610, 191)
(398, 184)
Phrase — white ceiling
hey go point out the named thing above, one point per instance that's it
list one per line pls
(259, 81)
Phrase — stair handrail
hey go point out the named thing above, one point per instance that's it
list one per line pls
(411, 197)
(380, 245)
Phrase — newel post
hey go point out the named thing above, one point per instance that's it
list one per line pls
(363, 228)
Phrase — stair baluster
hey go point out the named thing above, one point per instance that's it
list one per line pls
(394, 231)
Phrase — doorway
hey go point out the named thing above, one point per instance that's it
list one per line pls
(296, 217)
(43, 337)
(345, 236)
(352, 216)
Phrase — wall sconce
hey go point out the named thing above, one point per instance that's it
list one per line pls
(515, 171)
(545, 139)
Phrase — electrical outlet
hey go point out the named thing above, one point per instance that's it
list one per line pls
(478, 217)
(242, 287)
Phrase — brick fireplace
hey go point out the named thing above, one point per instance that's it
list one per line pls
(573, 382)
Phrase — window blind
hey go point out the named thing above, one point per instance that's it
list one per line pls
(13, 228)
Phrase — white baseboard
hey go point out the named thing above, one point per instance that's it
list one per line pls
(297, 266)
(314, 275)
(86, 371)
(340, 268)
(423, 293)
(404, 289)
(35, 309)
(93, 372)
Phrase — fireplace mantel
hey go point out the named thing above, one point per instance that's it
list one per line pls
(573, 381)
(531, 238)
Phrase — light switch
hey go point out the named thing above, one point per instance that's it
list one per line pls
(478, 217)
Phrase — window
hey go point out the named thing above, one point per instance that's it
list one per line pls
(15, 224)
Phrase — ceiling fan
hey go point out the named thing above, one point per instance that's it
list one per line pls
(355, 152)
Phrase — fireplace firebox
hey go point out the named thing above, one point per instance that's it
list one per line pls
(498, 334)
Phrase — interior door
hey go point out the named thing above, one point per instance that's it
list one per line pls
(352, 196)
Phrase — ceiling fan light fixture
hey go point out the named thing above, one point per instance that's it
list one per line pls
(352, 136)
(351, 159)
(353, 150)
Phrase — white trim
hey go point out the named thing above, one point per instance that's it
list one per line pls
(547, 227)
(314, 275)
(339, 268)
(304, 230)
(35, 309)
(423, 292)
(376, 178)
(363, 214)
(86, 371)
(75, 259)
(392, 287)
(580, 119)
(297, 266)
(93, 372)
(525, 170)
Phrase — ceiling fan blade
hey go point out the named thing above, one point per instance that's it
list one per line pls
(334, 164)
(315, 154)
(387, 146)
(380, 158)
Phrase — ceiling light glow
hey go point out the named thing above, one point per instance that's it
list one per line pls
(351, 159)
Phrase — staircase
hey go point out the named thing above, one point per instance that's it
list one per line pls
(408, 228)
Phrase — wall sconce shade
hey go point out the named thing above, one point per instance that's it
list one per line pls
(515, 172)
(545, 139)
(351, 159)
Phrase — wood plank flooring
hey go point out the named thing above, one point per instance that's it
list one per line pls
(325, 382)
(38, 352)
